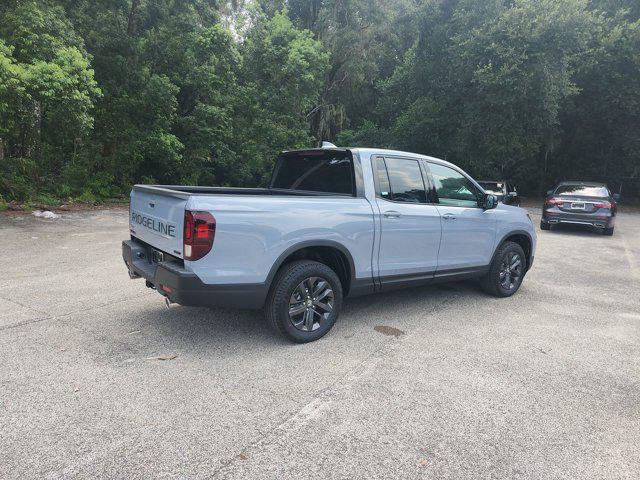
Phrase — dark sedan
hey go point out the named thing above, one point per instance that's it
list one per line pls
(580, 203)
(505, 191)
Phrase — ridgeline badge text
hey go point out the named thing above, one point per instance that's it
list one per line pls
(154, 224)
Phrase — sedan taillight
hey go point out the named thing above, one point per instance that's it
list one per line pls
(602, 205)
(199, 232)
(553, 201)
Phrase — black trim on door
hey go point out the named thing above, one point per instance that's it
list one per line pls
(392, 282)
(460, 273)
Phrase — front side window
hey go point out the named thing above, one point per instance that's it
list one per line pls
(400, 180)
(453, 188)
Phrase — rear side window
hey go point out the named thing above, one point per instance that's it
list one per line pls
(315, 171)
(453, 188)
(400, 180)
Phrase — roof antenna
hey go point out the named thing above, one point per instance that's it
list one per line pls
(328, 145)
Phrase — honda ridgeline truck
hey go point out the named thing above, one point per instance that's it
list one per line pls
(334, 223)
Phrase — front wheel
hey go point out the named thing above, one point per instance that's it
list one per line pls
(506, 271)
(304, 301)
(608, 231)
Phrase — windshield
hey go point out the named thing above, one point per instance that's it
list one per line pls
(582, 190)
(315, 171)
(493, 187)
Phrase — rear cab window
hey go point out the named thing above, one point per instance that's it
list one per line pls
(322, 171)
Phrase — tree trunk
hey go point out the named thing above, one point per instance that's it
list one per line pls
(38, 110)
(132, 17)
(543, 178)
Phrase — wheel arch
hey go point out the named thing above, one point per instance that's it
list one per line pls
(522, 238)
(329, 252)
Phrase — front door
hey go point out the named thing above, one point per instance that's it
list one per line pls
(468, 231)
(410, 228)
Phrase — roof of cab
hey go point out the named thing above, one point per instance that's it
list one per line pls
(398, 153)
(372, 151)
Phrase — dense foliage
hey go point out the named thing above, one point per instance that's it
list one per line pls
(98, 94)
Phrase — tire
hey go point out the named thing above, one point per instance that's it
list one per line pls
(544, 225)
(292, 291)
(497, 281)
(608, 231)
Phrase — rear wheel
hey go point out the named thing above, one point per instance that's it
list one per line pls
(506, 272)
(304, 301)
(544, 225)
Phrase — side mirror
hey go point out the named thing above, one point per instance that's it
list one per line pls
(513, 194)
(616, 197)
(489, 201)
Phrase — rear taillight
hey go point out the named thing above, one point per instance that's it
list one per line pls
(602, 205)
(552, 201)
(199, 231)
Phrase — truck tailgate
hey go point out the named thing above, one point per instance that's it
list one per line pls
(157, 217)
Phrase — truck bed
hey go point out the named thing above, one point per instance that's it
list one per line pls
(184, 191)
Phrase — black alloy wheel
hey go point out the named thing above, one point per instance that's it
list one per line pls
(311, 304)
(304, 300)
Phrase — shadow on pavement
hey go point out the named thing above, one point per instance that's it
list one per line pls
(574, 230)
(207, 327)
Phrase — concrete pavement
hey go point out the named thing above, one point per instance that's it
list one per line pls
(98, 379)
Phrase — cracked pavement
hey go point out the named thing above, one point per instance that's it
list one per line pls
(99, 380)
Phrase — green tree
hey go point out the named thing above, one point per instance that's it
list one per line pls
(601, 126)
(485, 83)
(51, 87)
(281, 73)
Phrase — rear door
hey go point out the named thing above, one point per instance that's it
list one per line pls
(468, 231)
(156, 216)
(410, 227)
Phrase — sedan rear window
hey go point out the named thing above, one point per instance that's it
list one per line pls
(315, 171)
(582, 190)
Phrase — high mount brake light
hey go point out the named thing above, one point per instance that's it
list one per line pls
(312, 152)
(199, 232)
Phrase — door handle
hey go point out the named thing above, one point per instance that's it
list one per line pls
(448, 216)
(391, 214)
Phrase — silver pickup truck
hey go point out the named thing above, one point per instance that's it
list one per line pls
(333, 223)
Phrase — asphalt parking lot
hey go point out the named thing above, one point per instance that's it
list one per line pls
(98, 379)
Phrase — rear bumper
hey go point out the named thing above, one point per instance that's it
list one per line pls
(597, 221)
(183, 287)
